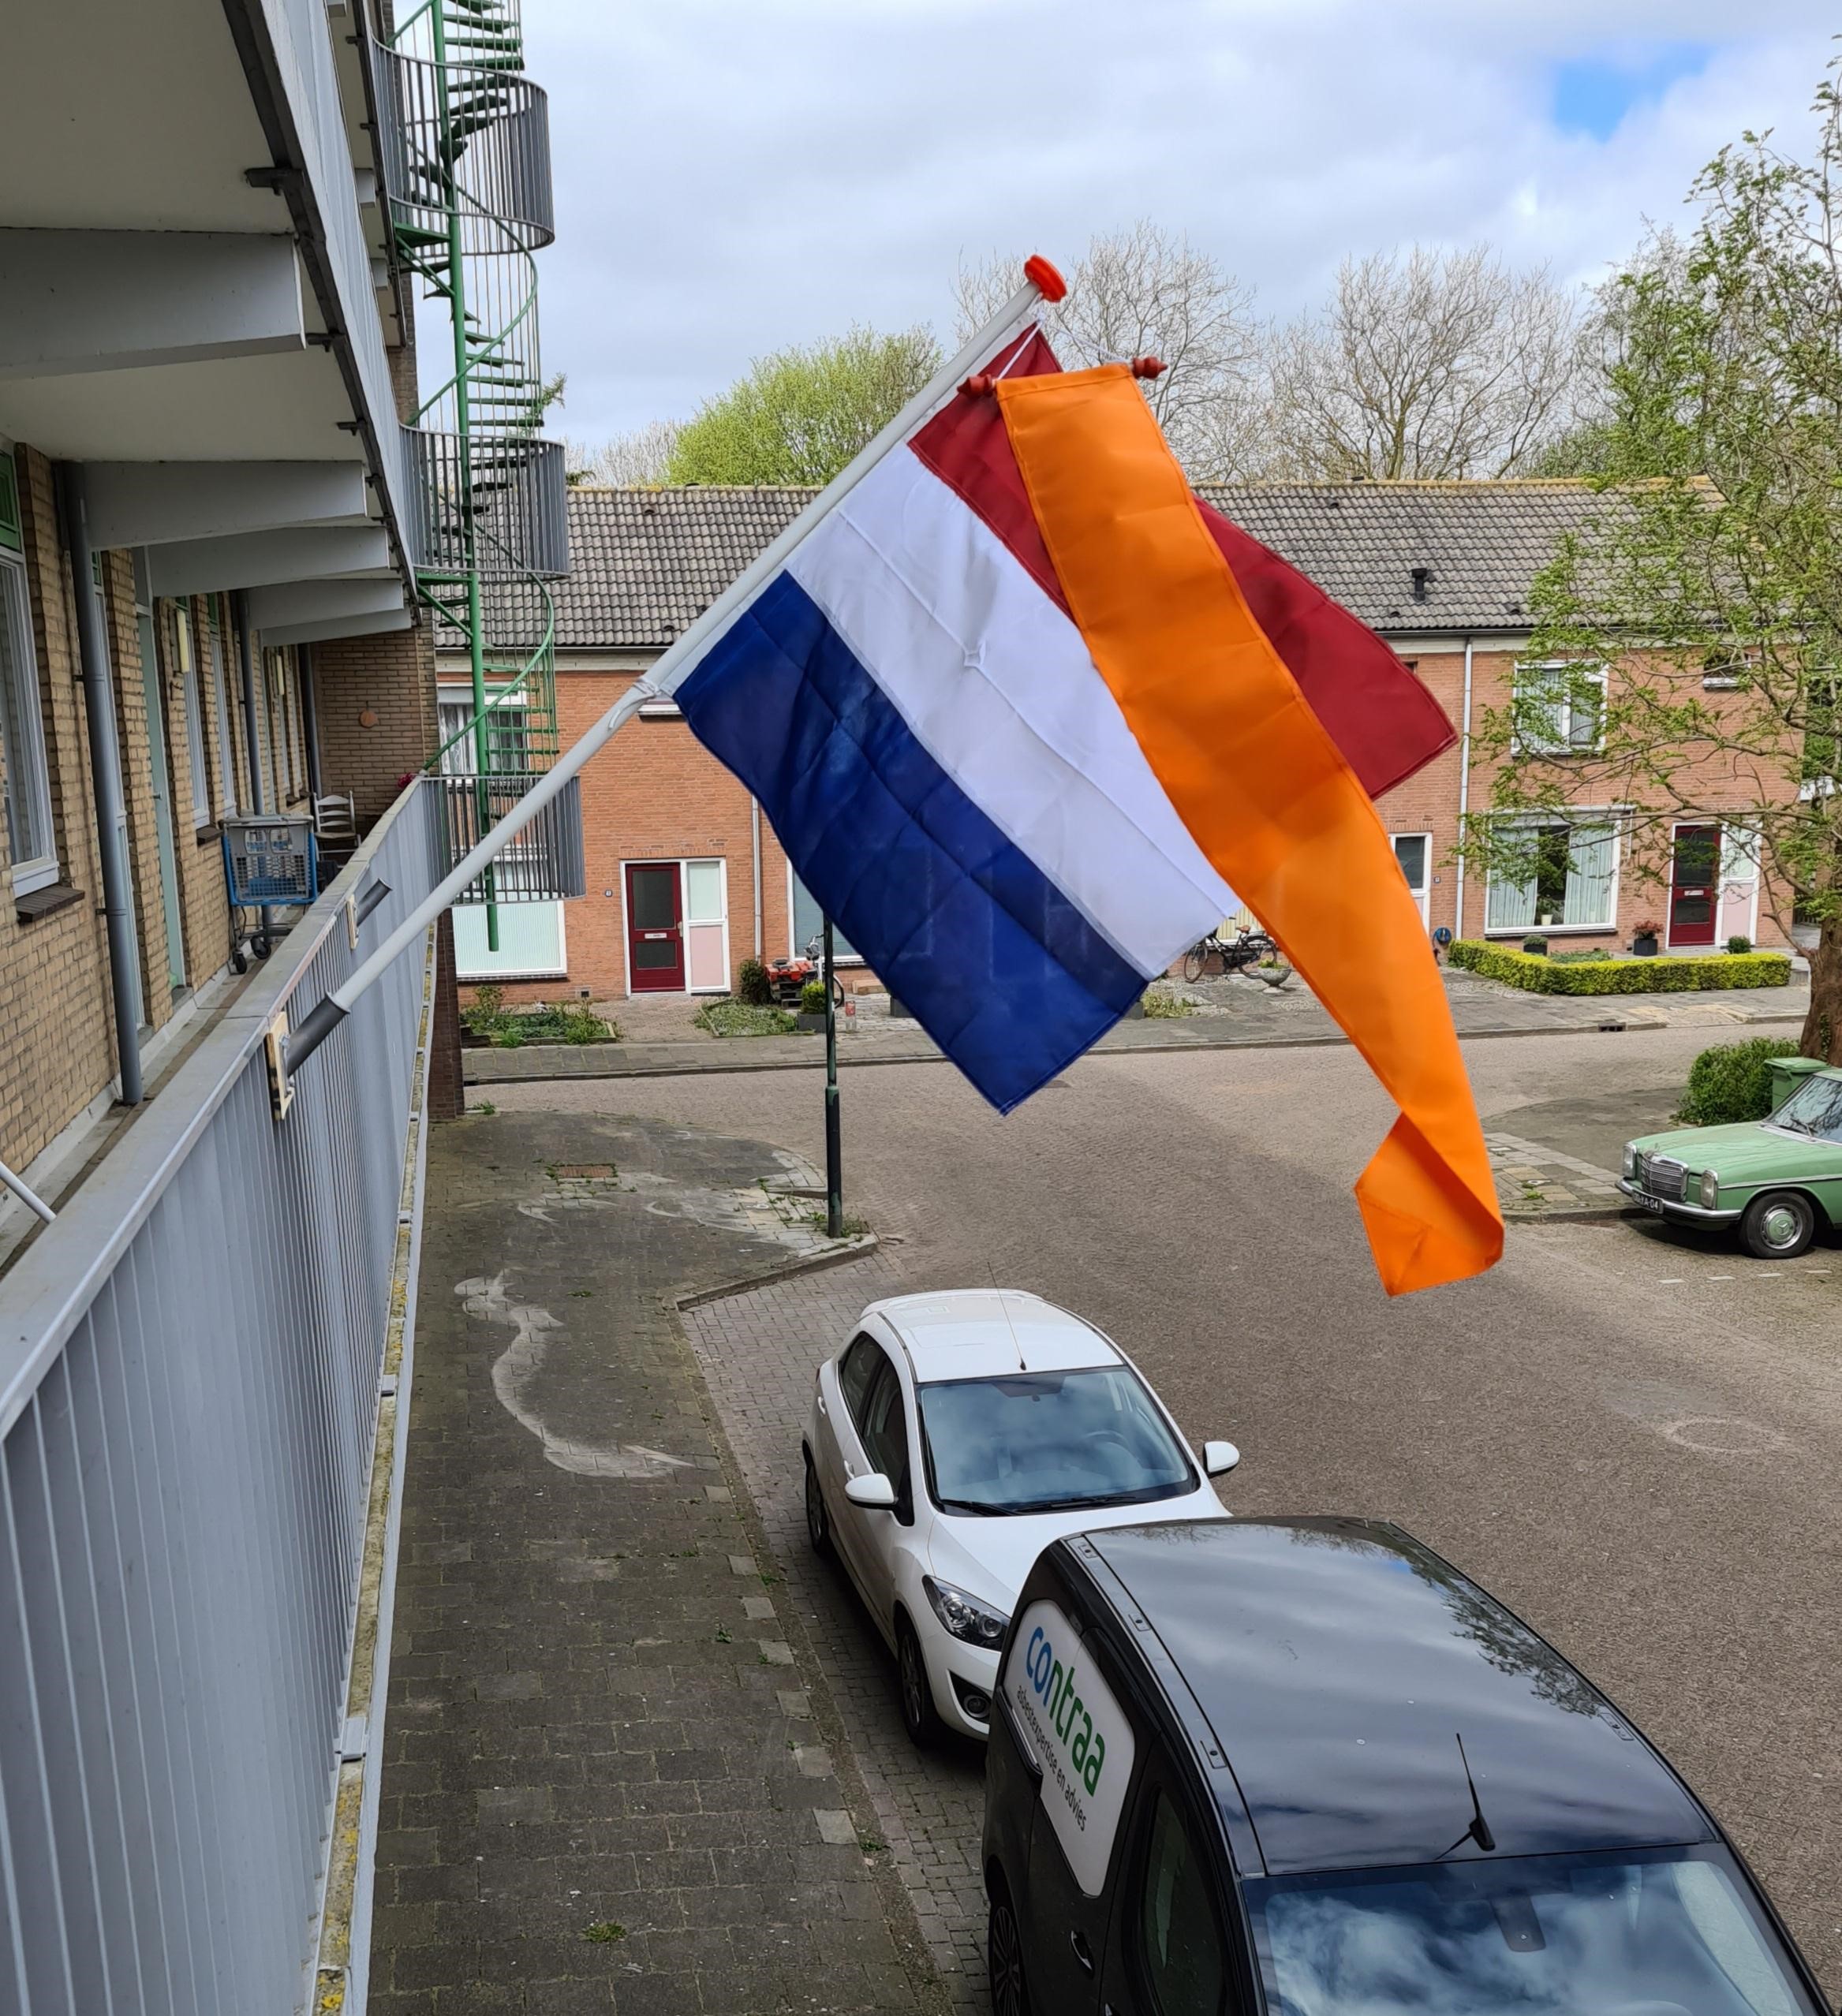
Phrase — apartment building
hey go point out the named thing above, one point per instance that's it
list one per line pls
(207, 510)
(685, 880)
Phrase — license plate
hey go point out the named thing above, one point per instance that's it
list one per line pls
(1651, 1204)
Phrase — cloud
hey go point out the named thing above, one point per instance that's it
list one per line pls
(736, 175)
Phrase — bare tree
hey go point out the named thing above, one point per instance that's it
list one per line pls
(1143, 291)
(640, 457)
(1428, 365)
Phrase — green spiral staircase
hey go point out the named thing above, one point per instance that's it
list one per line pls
(466, 149)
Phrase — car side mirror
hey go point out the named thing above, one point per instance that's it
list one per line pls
(1219, 1458)
(874, 1492)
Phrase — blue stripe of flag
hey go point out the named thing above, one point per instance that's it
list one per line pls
(999, 967)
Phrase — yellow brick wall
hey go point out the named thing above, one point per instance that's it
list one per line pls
(54, 970)
(373, 704)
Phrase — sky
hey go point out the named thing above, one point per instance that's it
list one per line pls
(734, 175)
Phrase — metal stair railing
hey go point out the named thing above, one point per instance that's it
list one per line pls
(467, 174)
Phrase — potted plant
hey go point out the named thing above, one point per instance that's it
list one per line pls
(1643, 943)
(811, 1006)
(1536, 946)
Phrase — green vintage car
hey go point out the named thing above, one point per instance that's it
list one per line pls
(1778, 1179)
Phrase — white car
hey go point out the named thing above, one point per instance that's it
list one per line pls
(951, 1439)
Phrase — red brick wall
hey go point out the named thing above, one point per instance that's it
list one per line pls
(654, 793)
(1430, 803)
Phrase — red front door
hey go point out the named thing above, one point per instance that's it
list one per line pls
(655, 939)
(1693, 885)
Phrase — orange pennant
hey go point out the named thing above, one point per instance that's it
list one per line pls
(1266, 794)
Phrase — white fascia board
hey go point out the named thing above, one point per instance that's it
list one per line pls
(313, 601)
(339, 626)
(155, 503)
(113, 301)
(200, 566)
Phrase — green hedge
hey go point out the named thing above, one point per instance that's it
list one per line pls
(1536, 975)
(1732, 1081)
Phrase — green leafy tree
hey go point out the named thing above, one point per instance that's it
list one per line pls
(1707, 592)
(799, 416)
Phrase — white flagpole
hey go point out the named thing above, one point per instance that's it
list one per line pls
(658, 680)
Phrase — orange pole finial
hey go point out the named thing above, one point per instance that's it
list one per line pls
(1048, 282)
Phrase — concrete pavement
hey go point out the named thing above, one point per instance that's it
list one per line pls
(1626, 1432)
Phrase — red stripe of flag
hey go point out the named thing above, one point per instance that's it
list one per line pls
(1386, 723)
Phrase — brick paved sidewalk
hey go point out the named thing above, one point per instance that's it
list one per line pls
(608, 1782)
(757, 1352)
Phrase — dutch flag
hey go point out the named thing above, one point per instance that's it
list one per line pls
(1029, 719)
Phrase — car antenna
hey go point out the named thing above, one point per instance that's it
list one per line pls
(1006, 1307)
(1479, 1830)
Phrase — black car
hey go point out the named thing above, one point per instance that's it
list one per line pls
(1305, 1765)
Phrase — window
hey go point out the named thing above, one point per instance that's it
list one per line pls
(1564, 878)
(185, 647)
(29, 834)
(1179, 1947)
(854, 1373)
(1049, 1441)
(1560, 708)
(884, 1426)
(808, 923)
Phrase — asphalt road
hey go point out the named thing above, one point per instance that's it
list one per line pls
(1627, 1434)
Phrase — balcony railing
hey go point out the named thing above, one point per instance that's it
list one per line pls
(191, 1364)
(543, 864)
(493, 146)
(520, 506)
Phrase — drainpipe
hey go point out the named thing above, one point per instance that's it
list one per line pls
(309, 718)
(99, 707)
(1458, 925)
(755, 841)
(246, 672)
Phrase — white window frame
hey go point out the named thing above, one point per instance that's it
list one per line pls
(1563, 743)
(794, 949)
(185, 643)
(1423, 895)
(683, 863)
(28, 768)
(1574, 816)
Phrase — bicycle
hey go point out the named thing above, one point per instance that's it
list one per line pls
(1246, 948)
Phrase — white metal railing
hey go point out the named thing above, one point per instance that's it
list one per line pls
(189, 1369)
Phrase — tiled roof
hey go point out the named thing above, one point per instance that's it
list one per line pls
(643, 563)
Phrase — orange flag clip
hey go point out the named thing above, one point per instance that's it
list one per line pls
(1265, 792)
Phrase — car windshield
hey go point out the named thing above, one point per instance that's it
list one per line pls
(1815, 1108)
(1671, 1932)
(1048, 1442)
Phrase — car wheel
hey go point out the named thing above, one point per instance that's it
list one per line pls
(818, 1519)
(915, 1691)
(1004, 1959)
(1779, 1225)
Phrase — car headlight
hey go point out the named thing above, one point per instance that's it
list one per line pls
(965, 1616)
(1711, 1189)
(1631, 1157)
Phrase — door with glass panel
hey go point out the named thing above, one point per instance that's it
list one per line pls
(1691, 885)
(706, 928)
(1413, 853)
(655, 948)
